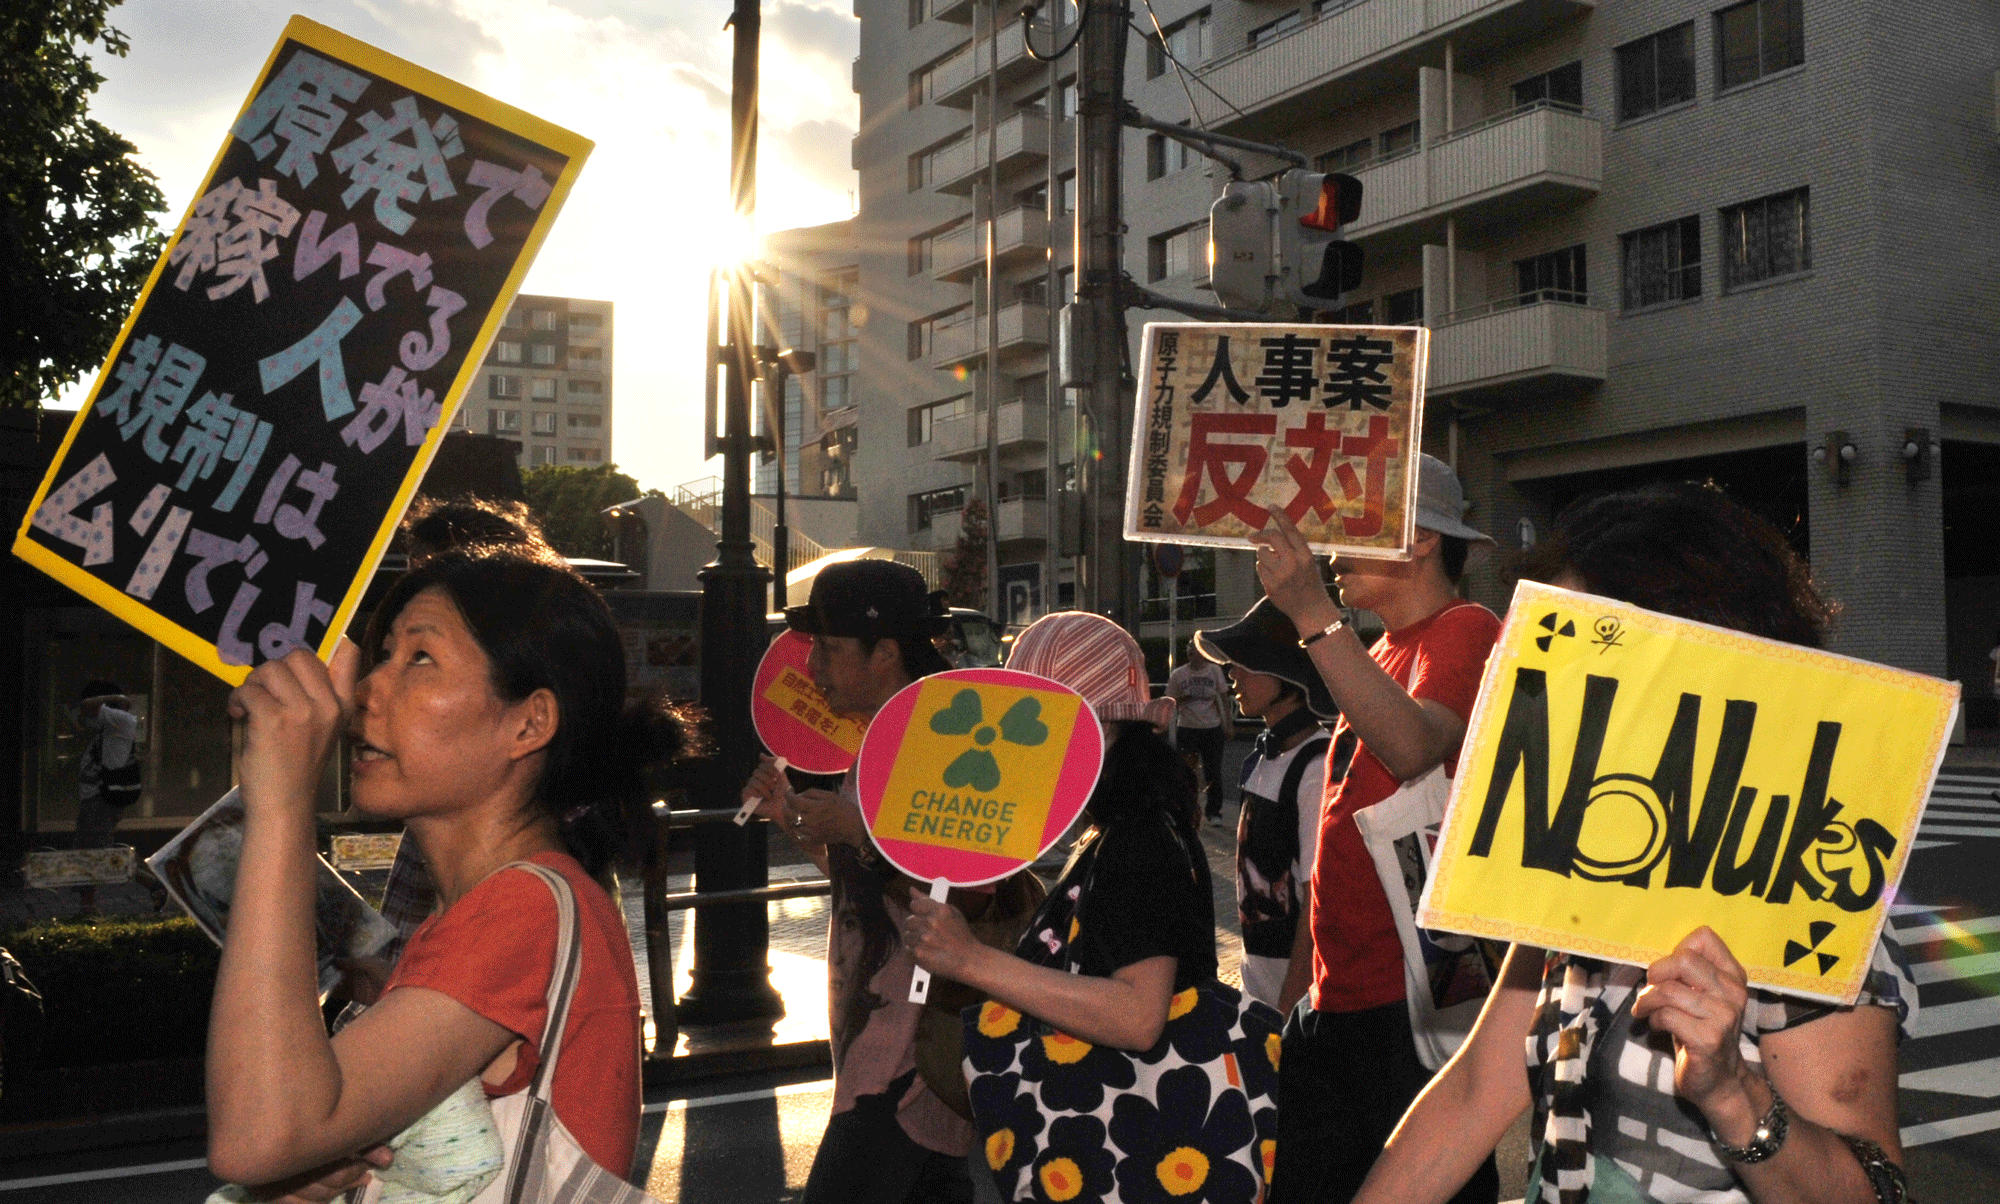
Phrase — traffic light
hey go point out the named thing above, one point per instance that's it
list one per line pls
(1240, 270)
(1315, 265)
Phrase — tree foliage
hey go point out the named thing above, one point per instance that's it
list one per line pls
(569, 501)
(77, 236)
(965, 565)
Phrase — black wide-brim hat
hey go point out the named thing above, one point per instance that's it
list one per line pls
(1265, 641)
(873, 600)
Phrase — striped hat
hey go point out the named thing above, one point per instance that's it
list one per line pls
(1095, 657)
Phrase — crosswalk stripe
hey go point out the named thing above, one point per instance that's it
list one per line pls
(114, 1172)
(1940, 1019)
(1944, 1130)
(1952, 969)
(1931, 844)
(1938, 814)
(1980, 1079)
(1956, 830)
(1947, 930)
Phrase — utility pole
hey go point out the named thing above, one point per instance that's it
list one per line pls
(731, 972)
(991, 372)
(1098, 335)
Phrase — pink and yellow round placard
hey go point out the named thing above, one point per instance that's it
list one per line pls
(792, 719)
(969, 775)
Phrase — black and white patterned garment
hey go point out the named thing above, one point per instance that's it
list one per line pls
(1604, 1083)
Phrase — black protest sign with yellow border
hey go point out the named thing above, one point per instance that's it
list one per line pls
(1627, 777)
(284, 380)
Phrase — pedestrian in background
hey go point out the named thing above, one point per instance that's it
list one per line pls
(107, 774)
(1200, 693)
(1284, 777)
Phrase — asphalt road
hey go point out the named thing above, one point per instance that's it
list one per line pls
(750, 1139)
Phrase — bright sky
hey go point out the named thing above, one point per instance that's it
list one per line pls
(647, 80)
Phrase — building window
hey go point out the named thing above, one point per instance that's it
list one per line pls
(542, 455)
(500, 386)
(920, 11)
(1271, 29)
(1656, 72)
(1066, 194)
(1361, 313)
(1766, 238)
(1165, 156)
(585, 323)
(1403, 140)
(503, 422)
(586, 359)
(926, 506)
(924, 164)
(542, 389)
(1177, 252)
(543, 423)
(1662, 263)
(1556, 276)
(923, 248)
(1562, 86)
(543, 319)
(924, 419)
(506, 351)
(515, 319)
(1351, 157)
(1404, 309)
(1754, 39)
(584, 422)
(1186, 42)
(923, 85)
(924, 331)
(586, 388)
(1068, 100)
(585, 455)
(542, 355)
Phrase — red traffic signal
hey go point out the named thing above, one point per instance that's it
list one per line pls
(1339, 203)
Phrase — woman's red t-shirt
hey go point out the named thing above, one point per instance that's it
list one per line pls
(494, 950)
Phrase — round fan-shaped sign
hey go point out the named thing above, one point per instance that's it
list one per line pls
(967, 776)
(791, 717)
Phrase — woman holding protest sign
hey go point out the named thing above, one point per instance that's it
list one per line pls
(1676, 1082)
(1108, 1062)
(494, 724)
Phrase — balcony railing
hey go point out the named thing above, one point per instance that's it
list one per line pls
(1542, 154)
(1519, 344)
(955, 81)
(1363, 48)
(1023, 139)
(1022, 422)
(1023, 326)
(1022, 518)
(1019, 234)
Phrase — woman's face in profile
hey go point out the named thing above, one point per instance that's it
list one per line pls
(428, 735)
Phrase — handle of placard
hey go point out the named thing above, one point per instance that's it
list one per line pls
(750, 800)
(920, 978)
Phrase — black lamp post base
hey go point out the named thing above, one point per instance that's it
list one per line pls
(723, 996)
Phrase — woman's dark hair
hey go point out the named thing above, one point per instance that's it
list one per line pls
(543, 627)
(473, 525)
(1144, 776)
(1687, 550)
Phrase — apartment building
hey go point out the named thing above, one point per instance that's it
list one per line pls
(546, 382)
(1655, 239)
(807, 302)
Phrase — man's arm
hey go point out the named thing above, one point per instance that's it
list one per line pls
(1298, 971)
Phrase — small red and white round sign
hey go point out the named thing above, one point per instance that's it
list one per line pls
(791, 717)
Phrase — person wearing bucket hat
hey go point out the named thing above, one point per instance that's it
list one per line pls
(890, 1137)
(1283, 778)
(1351, 1062)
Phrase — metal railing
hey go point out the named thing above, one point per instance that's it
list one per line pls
(701, 500)
(1540, 296)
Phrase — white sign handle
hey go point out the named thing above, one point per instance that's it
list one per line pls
(751, 799)
(920, 978)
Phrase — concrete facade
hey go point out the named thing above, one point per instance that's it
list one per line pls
(1851, 156)
(546, 382)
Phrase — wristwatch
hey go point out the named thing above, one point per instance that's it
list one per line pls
(1766, 1141)
(1322, 633)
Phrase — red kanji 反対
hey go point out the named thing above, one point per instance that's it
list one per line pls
(1212, 460)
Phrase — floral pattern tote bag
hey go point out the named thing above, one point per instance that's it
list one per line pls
(1194, 1118)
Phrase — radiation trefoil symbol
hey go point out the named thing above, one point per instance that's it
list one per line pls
(976, 767)
(1816, 932)
(1548, 623)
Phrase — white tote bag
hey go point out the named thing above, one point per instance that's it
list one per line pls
(545, 1165)
(1445, 976)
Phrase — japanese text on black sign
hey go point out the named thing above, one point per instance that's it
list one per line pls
(278, 390)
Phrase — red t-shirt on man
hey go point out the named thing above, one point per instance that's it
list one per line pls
(1357, 956)
(494, 950)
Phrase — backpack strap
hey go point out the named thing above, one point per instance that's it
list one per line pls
(1296, 771)
(562, 977)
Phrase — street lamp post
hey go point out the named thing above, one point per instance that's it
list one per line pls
(731, 974)
(782, 365)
